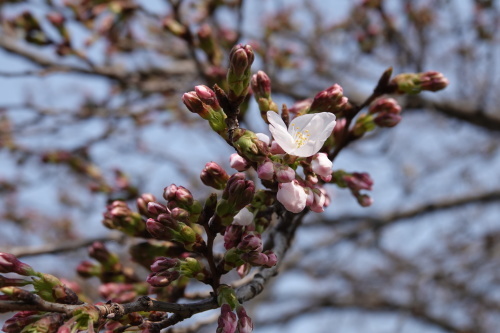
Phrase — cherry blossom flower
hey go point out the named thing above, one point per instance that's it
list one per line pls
(306, 134)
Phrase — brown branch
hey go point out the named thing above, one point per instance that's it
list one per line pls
(26, 251)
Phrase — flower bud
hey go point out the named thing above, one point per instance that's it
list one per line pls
(284, 174)
(87, 269)
(20, 320)
(48, 323)
(249, 146)
(164, 263)
(292, 196)
(322, 166)
(364, 124)
(181, 195)
(358, 181)
(238, 75)
(245, 324)
(238, 191)
(301, 107)
(214, 175)
(385, 104)
(195, 105)
(142, 203)
(364, 200)
(433, 81)
(266, 170)
(10, 264)
(237, 162)
(250, 242)
(255, 258)
(413, 83)
(329, 100)
(261, 85)
(119, 216)
(387, 119)
(156, 208)
(163, 278)
(227, 322)
(232, 236)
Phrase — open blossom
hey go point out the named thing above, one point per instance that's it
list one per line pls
(306, 134)
(292, 196)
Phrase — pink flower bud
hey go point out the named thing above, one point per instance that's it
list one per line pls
(266, 171)
(237, 162)
(214, 175)
(142, 203)
(206, 95)
(300, 107)
(284, 174)
(319, 200)
(433, 81)
(250, 242)
(10, 264)
(387, 119)
(232, 236)
(364, 200)
(359, 181)
(245, 324)
(261, 85)
(292, 196)
(385, 104)
(227, 322)
(329, 100)
(322, 166)
(156, 208)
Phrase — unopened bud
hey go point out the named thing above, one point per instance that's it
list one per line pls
(248, 145)
(227, 322)
(214, 175)
(385, 104)
(329, 100)
(238, 163)
(10, 264)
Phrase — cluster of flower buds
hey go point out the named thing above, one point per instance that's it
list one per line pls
(356, 182)
(31, 321)
(387, 112)
(165, 270)
(229, 323)
(47, 286)
(331, 99)
(174, 224)
(414, 83)
(238, 75)
(108, 268)
(204, 102)
(237, 194)
(261, 88)
(119, 216)
(243, 245)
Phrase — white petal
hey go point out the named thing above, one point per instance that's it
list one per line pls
(244, 217)
(318, 126)
(279, 132)
(263, 137)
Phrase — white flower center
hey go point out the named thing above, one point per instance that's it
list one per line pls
(299, 137)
